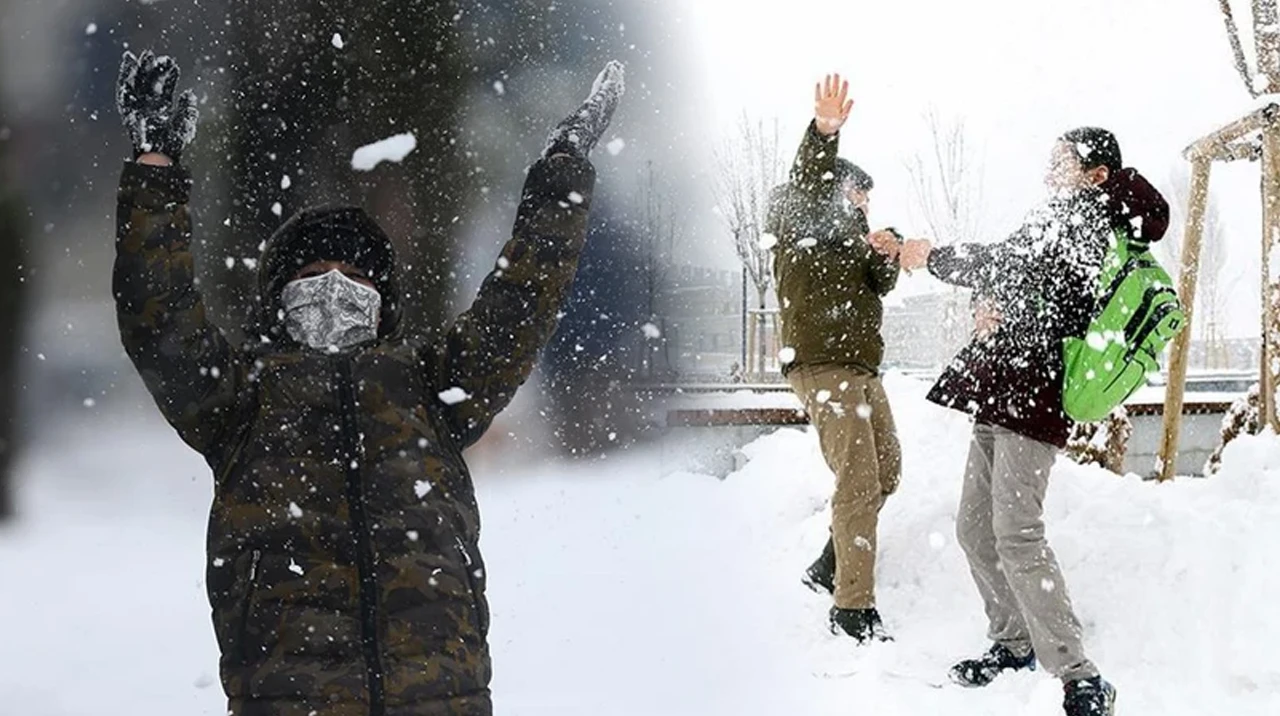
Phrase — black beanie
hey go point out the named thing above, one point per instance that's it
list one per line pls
(847, 171)
(1096, 147)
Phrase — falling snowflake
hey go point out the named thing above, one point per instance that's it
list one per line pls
(337, 40)
(285, 182)
(786, 355)
(91, 29)
(1048, 585)
(453, 396)
(500, 88)
(650, 331)
(575, 197)
(863, 410)
(412, 535)
(277, 209)
(391, 149)
(768, 241)
(807, 243)
(294, 511)
(295, 567)
(421, 488)
(823, 396)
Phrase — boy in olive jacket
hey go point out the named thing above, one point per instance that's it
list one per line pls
(830, 285)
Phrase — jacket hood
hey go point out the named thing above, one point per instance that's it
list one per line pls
(1136, 206)
(328, 233)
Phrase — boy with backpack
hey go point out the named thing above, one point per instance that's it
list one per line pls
(1035, 293)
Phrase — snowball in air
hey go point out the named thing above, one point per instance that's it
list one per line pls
(337, 40)
(615, 146)
(787, 354)
(453, 396)
(392, 149)
(768, 241)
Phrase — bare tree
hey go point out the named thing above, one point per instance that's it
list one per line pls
(946, 182)
(748, 167)
(1210, 296)
(946, 190)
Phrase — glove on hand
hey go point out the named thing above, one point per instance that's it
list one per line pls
(578, 133)
(144, 96)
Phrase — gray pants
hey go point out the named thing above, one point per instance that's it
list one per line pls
(1001, 529)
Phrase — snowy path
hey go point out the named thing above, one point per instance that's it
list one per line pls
(618, 591)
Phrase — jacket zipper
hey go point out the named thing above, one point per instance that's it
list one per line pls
(368, 590)
(246, 603)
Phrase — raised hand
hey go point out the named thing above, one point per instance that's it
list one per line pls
(144, 96)
(831, 104)
(578, 133)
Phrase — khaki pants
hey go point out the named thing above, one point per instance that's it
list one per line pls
(851, 414)
(1001, 529)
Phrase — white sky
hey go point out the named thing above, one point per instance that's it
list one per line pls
(1158, 73)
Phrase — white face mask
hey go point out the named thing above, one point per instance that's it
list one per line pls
(330, 311)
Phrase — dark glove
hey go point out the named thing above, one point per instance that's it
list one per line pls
(578, 133)
(144, 96)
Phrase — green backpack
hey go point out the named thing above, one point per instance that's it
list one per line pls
(1138, 313)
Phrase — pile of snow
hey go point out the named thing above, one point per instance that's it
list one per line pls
(618, 589)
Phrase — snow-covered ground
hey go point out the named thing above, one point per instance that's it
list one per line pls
(617, 589)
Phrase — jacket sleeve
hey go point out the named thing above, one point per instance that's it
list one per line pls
(813, 172)
(963, 265)
(491, 349)
(882, 273)
(192, 372)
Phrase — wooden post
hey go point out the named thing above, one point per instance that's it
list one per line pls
(1270, 280)
(1266, 38)
(1166, 458)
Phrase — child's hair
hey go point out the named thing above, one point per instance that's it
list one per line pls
(1095, 147)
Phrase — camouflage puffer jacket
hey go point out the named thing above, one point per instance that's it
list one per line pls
(343, 571)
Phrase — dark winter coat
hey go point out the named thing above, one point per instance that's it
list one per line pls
(1043, 278)
(344, 571)
(830, 281)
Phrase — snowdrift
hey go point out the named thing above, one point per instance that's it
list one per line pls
(619, 590)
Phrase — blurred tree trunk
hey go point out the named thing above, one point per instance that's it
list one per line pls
(313, 80)
(12, 293)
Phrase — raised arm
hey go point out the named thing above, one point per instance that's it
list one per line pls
(186, 363)
(813, 171)
(491, 349)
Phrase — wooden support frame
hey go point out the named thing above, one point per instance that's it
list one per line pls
(1230, 143)
(1190, 272)
(1270, 189)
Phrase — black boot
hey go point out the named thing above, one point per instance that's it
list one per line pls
(973, 673)
(863, 625)
(821, 575)
(1089, 697)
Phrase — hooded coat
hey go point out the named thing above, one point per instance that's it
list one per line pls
(344, 572)
(1043, 278)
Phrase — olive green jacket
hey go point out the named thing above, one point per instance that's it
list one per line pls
(830, 282)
